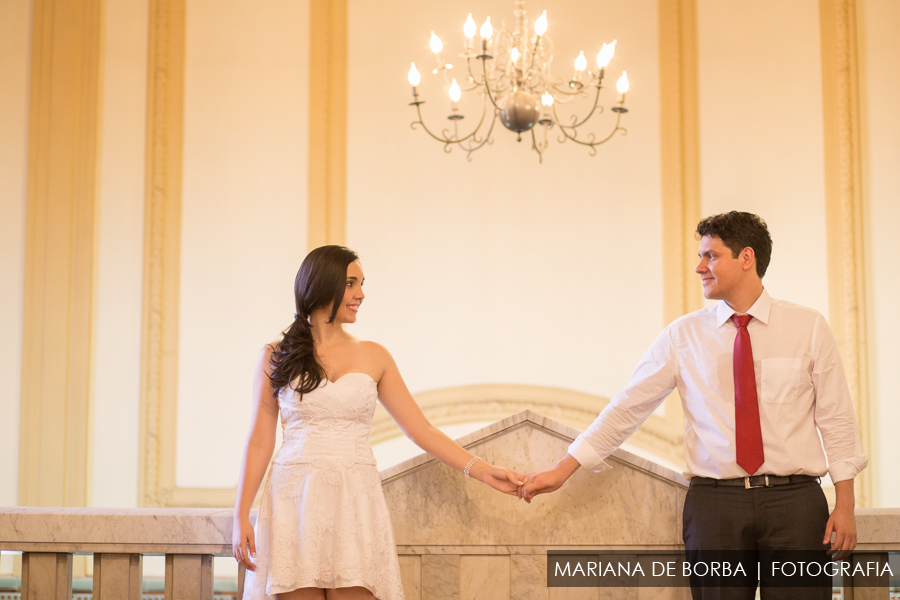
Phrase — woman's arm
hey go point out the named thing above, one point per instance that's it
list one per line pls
(395, 397)
(257, 453)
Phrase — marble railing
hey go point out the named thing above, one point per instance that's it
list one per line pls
(189, 538)
(118, 539)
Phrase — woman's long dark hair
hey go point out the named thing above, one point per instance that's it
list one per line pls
(321, 281)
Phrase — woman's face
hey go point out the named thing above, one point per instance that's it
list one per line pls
(353, 294)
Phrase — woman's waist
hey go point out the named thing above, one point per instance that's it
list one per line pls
(324, 448)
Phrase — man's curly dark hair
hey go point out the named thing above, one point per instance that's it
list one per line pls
(738, 230)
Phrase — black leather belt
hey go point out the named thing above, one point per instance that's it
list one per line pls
(757, 481)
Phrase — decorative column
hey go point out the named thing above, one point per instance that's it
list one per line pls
(844, 210)
(328, 123)
(60, 237)
(162, 251)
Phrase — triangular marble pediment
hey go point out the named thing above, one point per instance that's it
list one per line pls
(636, 504)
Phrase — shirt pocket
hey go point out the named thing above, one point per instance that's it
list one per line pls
(781, 379)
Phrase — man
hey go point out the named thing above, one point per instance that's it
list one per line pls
(759, 380)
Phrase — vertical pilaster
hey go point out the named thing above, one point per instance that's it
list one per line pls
(162, 251)
(844, 208)
(60, 238)
(327, 200)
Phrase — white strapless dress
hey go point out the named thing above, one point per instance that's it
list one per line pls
(323, 521)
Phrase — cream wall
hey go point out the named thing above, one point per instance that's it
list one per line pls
(503, 270)
(244, 222)
(879, 49)
(15, 53)
(120, 255)
(761, 132)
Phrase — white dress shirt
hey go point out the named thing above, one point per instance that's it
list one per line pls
(800, 384)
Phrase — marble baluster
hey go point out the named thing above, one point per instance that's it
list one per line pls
(872, 587)
(117, 576)
(189, 577)
(46, 576)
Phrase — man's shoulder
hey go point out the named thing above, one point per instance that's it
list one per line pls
(698, 316)
(698, 319)
(793, 312)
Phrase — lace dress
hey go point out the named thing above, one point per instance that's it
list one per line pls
(323, 521)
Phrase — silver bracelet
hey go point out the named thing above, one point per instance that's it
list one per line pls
(470, 463)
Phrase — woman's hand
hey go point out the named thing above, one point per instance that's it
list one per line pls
(243, 542)
(502, 480)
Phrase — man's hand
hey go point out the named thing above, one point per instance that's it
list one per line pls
(842, 522)
(544, 482)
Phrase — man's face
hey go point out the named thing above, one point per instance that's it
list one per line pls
(720, 272)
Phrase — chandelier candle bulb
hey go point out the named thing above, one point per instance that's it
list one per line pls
(455, 91)
(580, 62)
(487, 30)
(414, 77)
(514, 55)
(622, 85)
(436, 44)
(606, 53)
(469, 27)
(540, 25)
(547, 99)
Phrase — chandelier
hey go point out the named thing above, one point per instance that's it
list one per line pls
(511, 70)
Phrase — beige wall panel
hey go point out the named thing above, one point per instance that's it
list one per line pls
(244, 223)
(503, 270)
(484, 577)
(761, 132)
(120, 256)
(879, 46)
(15, 67)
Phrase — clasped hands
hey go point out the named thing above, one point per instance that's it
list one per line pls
(528, 486)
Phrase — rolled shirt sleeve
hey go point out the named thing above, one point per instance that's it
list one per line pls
(834, 414)
(652, 380)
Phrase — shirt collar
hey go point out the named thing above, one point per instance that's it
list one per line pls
(759, 310)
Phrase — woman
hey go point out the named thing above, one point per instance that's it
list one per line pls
(323, 530)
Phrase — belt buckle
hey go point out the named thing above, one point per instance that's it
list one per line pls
(747, 485)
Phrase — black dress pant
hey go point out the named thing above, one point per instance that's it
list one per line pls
(784, 517)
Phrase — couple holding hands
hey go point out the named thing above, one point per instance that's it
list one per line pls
(760, 380)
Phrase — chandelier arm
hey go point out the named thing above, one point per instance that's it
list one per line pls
(592, 143)
(534, 145)
(486, 84)
(565, 93)
(486, 140)
(537, 43)
(446, 139)
(471, 75)
(575, 124)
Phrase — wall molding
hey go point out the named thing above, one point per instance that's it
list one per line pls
(162, 253)
(844, 208)
(327, 200)
(60, 246)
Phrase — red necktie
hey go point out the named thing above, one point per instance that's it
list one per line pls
(747, 433)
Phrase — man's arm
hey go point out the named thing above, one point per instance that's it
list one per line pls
(842, 521)
(652, 380)
(836, 422)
